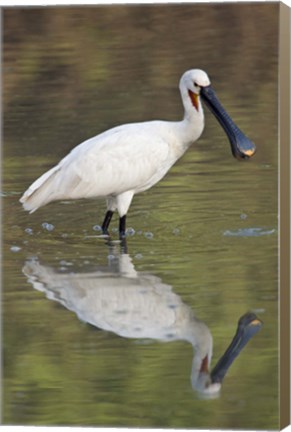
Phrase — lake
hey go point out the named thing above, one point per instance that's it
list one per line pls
(86, 333)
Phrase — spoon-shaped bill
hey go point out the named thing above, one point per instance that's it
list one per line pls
(241, 146)
(248, 326)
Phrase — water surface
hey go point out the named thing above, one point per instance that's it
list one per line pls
(206, 236)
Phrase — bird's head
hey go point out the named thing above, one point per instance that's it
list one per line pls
(191, 83)
(195, 84)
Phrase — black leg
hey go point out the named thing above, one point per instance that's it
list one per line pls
(106, 221)
(122, 226)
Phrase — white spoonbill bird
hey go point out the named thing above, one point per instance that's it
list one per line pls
(131, 158)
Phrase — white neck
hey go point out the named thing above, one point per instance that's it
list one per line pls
(192, 124)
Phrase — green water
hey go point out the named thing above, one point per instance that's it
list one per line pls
(206, 234)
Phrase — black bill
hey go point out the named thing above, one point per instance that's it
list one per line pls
(241, 146)
(248, 326)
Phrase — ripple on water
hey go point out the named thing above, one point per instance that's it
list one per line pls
(248, 232)
(15, 248)
(47, 226)
(139, 256)
(97, 228)
(130, 232)
(149, 235)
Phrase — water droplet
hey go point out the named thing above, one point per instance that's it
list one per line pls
(15, 248)
(97, 228)
(28, 231)
(48, 226)
(148, 235)
(176, 231)
(139, 256)
(130, 231)
(243, 216)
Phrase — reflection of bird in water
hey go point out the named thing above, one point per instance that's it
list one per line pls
(131, 158)
(140, 305)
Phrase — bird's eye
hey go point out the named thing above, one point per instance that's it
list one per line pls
(196, 84)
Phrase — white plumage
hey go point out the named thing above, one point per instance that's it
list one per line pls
(125, 160)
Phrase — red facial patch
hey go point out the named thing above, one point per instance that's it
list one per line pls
(194, 99)
(204, 365)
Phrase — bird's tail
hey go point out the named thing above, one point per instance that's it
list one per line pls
(42, 191)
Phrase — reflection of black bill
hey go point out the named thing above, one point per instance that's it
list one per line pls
(241, 146)
(248, 326)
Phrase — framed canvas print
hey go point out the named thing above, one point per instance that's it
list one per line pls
(145, 216)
